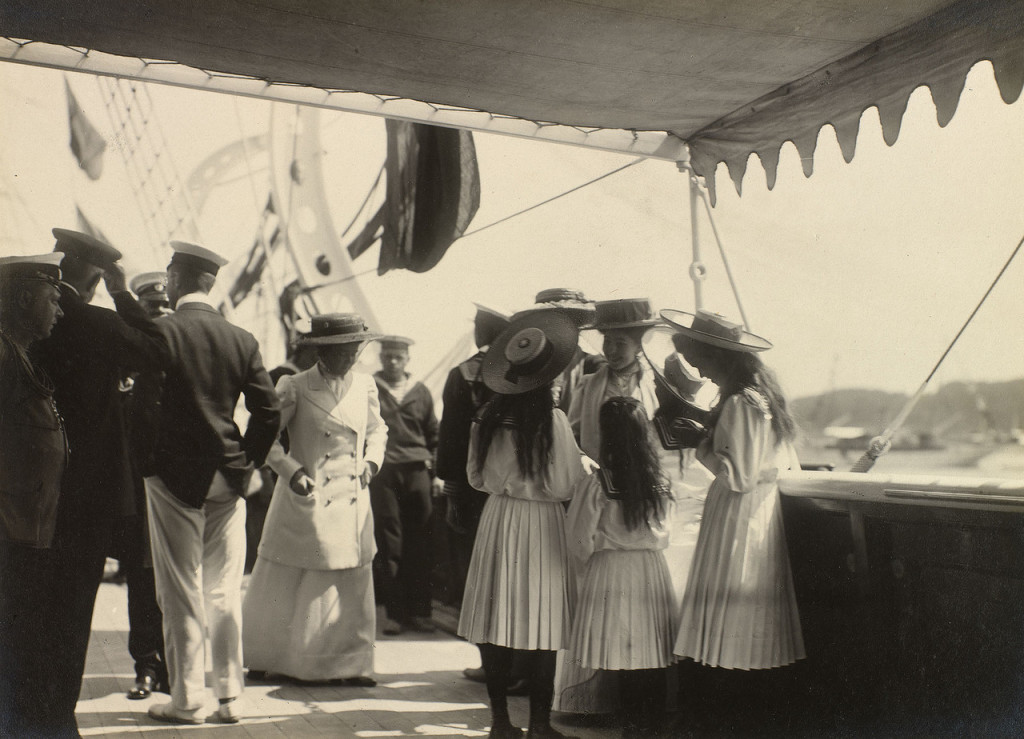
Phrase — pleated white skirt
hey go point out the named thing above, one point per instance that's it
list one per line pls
(519, 590)
(309, 624)
(626, 616)
(739, 607)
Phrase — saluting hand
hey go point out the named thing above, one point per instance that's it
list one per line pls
(114, 280)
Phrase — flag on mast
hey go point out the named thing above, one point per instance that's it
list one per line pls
(86, 142)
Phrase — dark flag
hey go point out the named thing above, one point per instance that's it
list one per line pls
(86, 143)
(268, 237)
(433, 192)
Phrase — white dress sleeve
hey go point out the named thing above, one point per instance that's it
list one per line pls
(583, 516)
(279, 460)
(740, 441)
(566, 465)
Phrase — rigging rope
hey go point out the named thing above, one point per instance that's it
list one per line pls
(556, 197)
(362, 206)
(880, 444)
(260, 211)
(489, 225)
(725, 261)
(156, 181)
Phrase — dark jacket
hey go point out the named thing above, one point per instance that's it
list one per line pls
(212, 363)
(33, 453)
(89, 352)
(464, 393)
(412, 424)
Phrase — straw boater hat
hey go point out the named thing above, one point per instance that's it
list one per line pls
(85, 247)
(715, 329)
(337, 328)
(45, 267)
(570, 302)
(626, 313)
(197, 257)
(530, 353)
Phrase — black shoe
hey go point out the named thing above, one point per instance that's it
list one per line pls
(518, 687)
(143, 688)
(421, 624)
(476, 674)
(391, 627)
(505, 731)
(361, 681)
(257, 675)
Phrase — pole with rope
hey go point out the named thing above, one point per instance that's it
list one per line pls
(698, 270)
(881, 444)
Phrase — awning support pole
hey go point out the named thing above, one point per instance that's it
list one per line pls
(698, 270)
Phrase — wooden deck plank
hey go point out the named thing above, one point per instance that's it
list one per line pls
(421, 691)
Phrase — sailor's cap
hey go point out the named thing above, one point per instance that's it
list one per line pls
(395, 342)
(149, 282)
(85, 247)
(44, 267)
(197, 257)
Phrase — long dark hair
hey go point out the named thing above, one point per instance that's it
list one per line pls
(746, 369)
(631, 462)
(529, 416)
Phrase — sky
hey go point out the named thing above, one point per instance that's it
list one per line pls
(860, 275)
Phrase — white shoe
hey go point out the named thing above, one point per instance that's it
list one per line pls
(228, 713)
(167, 713)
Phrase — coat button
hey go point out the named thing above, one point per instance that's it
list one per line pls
(327, 479)
(327, 455)
(327, 433)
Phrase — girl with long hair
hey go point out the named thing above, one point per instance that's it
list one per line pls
(618, 529)
(739, 607)
(519, 591)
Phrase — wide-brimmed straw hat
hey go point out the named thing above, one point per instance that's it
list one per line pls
(715, 329)
(572, 303)
(337, 328)
(625, 313)
(530, 353)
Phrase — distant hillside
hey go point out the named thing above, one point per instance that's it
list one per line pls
(954, 411)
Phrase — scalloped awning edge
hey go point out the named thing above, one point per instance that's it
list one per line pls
(937, 52)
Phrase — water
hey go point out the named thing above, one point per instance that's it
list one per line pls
(957, 460)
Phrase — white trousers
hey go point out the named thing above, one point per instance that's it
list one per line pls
(198, 561)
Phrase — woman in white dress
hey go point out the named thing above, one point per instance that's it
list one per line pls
(622, 324)
(618, 529)
(739, 608)
(309, 610)
(519, 593)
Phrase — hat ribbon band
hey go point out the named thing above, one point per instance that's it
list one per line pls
(525, 369)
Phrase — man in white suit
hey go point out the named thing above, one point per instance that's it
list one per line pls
(309, 610)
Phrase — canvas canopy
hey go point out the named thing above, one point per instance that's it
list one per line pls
(689, 80)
